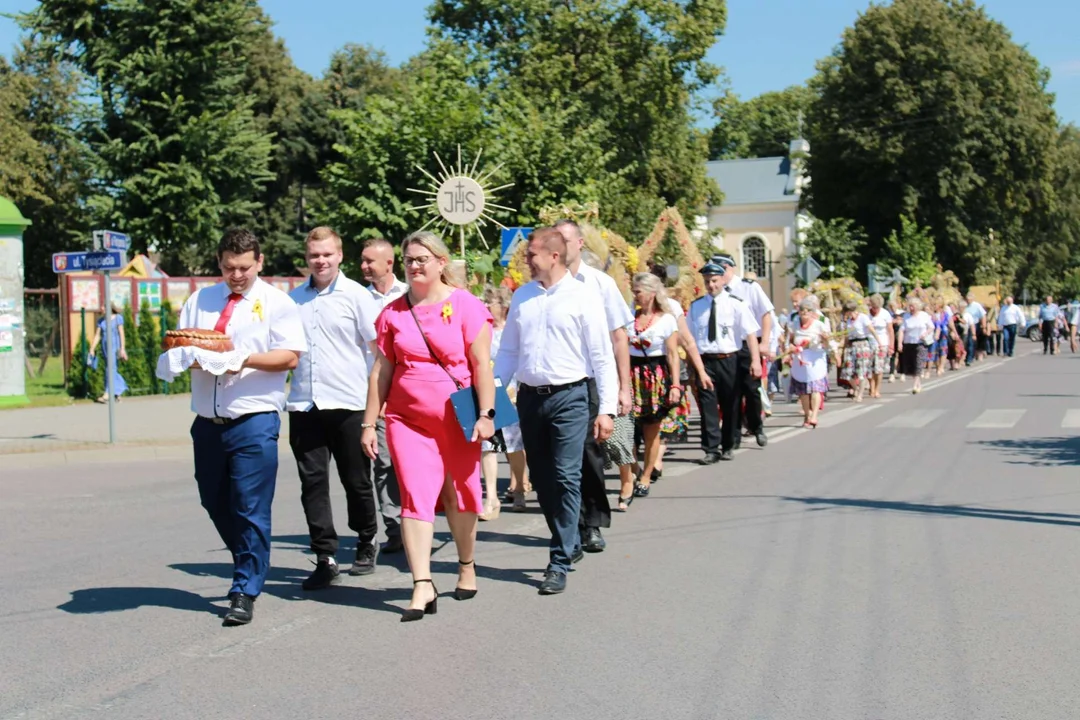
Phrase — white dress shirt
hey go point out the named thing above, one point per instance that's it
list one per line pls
(264, 319)
(396, 290)
(339, 321)
(1011, 315)
(556, 336)
(616, 310)
(734, 323)
(754, 296)
(859, 328)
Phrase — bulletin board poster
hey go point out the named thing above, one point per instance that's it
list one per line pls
(86, 294)
(120, 293)
(150, 295)
(178, 291)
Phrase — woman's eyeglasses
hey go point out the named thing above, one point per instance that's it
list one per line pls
(419, 261)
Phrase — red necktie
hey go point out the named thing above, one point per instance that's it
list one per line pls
(226, 314)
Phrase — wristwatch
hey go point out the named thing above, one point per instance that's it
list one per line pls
(489, 414)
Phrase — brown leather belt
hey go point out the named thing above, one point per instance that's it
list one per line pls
(717, 356)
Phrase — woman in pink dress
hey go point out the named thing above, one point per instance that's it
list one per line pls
(438, 468)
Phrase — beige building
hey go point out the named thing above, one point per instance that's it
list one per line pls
(759, 222)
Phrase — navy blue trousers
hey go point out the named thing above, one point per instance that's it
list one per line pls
(553, 429)
(236, 470)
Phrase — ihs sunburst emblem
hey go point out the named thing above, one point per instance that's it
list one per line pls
(459, 198)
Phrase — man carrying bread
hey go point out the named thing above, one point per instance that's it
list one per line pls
(235, 433)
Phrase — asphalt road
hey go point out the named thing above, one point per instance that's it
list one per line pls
(912, 558)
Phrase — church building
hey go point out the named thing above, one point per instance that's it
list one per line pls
(760, 222)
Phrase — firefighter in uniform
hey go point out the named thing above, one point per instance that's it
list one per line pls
(751, 293)
(722, 325)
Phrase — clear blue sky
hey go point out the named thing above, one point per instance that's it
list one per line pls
(769, 44)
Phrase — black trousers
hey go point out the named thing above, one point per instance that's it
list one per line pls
(315, 437)
(1047, 328)
(724, 398)
(749, 392)
(595, 508)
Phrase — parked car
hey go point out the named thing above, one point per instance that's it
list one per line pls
(1033, 330)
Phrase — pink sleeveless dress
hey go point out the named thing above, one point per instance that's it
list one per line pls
(425, 439)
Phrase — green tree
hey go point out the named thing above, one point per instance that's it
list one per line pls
(1054, 239)
(179, 151)
(45, 168)
(638, 68)
(367, 190)
(83, 380)
(761, 127)
(134, 368)
(835, 244)
(910, 250)
(928, 110)
(149, 346)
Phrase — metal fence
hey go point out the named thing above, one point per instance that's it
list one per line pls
(43, 330)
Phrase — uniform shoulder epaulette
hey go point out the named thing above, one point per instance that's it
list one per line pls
(701, 297)
(748, 280)
(727, 289)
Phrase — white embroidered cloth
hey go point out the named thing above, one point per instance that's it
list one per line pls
(175, 361)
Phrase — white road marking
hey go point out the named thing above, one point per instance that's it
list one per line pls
(997, 419)
(1072, 419)
(912, 419)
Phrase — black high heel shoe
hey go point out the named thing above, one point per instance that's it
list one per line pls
(462, 593)
(431, 608)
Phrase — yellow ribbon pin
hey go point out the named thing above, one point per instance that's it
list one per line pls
(258, 310)
(447, 311)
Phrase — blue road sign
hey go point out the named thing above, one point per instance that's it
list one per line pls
(83, 261)
(510, 238)
(112, 240)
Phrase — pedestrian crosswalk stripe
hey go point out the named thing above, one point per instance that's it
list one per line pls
(990, 419)
(913, 419)
(1072, 419)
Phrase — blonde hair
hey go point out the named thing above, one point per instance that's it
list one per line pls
(323, 233)
(653, 284)
(877, 301)
(434, 245)
(500, 295)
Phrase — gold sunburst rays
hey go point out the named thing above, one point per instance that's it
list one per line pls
(457, 198)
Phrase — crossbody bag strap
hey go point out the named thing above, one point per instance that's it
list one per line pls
(434, 355)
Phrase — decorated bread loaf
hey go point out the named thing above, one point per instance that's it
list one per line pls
(193, 337)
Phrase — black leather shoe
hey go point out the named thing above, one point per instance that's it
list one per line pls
(578, 556)
(241, 609)
(325, 574)
(366, 554)
(554, 583)
(393, 545)
(710, 458)
(592, 541)
(727, 455)
(762, 438)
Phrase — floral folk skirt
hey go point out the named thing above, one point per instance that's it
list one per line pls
(651, 386)
(881, 360)
(858, 360)
(913, 358)
(813, 386)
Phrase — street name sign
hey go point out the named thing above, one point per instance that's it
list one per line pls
(112, 240)
(87, 261)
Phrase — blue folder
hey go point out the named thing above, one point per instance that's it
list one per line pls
(464, 403)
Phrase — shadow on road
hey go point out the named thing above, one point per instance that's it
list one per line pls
(116, 599)
(1039, 451)
(1028, 516)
